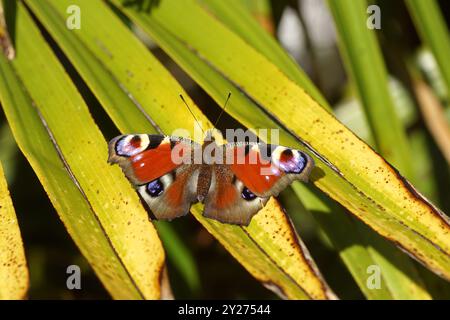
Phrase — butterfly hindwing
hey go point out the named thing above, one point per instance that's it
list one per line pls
(228, 200)
(171, 195)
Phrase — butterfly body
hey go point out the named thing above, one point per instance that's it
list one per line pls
(234, 181)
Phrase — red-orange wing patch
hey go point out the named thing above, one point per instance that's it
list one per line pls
(226, 196)
(256, 173)
(153, 163)
(144, 158)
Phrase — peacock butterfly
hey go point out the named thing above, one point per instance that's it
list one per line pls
(233, 180)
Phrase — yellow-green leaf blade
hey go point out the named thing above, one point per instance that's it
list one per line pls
(272, 252)
(124, 113)
(97, 205)
(13, 265)
(234, 14)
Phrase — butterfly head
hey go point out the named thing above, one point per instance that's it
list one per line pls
(214, 135)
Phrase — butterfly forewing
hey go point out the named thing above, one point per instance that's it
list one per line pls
(154, 164)
(267, 169)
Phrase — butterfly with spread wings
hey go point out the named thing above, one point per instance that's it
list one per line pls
(234, 180)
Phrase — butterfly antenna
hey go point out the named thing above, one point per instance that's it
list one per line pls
(196, 120)
(223, 109)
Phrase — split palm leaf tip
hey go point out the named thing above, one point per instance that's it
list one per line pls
(223, 51)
